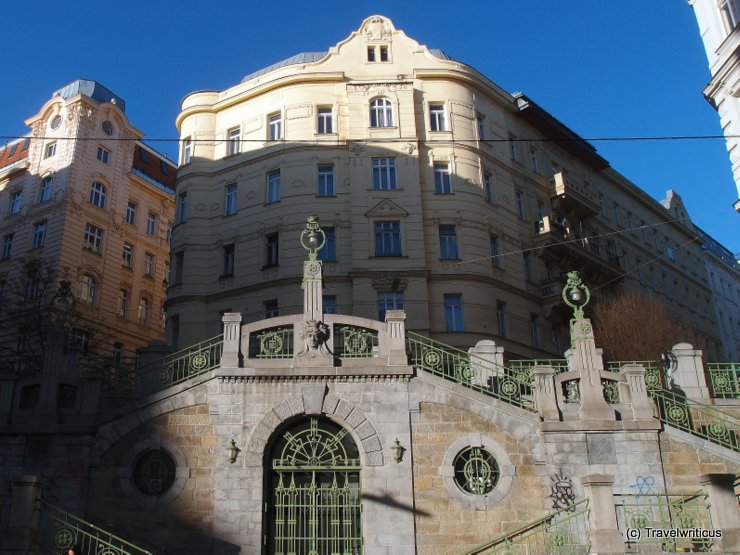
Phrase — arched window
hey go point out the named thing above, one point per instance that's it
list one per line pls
(88, 289)
(143, 311)
(313, 496)
(97, 194)
(381, 113)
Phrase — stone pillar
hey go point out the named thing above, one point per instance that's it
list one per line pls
(493, 365)
(22, 531)
(642, 405)
(602, 517)
(232, 335)
(544, 393)
(723, 509)
(688, 373)
(396, 322)
(585, 359)
(313, 302)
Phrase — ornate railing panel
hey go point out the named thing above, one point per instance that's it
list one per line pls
(354, 342)
(60, 531)
(510, 385)
(688, 514)
(611, 391)
(654, 372)
(697, 419)
(562, 532)
(559, 364)
(274, 342)
(724, 379)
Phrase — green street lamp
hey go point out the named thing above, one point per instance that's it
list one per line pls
(576, 295)
(313, 237)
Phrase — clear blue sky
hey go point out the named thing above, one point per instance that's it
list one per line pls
(605, 69)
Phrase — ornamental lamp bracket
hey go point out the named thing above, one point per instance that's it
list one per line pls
(313, 237)
(576, 295)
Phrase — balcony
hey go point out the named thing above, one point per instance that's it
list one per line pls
(574, 199)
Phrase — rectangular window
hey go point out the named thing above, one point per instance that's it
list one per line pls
(103, 155)
(164, 167)
(527, 262)
(272, 250)
(328, 252)
(501, 317)
(512, 148)
(383, 53)
(556, 344)
(370, 53)
(271, 308)
(533, 160)
(16, 198)
(46, 188)
(273, 186)
(166, 275)
(454, 313)
(447, 243)
(151, 223)
(437, 118)
(51, 150)
(94, 238)
(143, 155)
(39, 235)
(128, 255)
(182, 207)
(330, 304)
(233, 146)
(442, 182)
(534, 329)
(488, 187)
(187, 150)
(131, 213)
(384, 173)
(387, 239)
(326, 180)
(7, 245)
(325, 123)
(493, 240)
(122, 303)
(389, 300)
(480, 123)
(149, 266)
(169, 234)
(275, 127)
(520, 208)
(179, 266)
(228, 259)
(230, 199)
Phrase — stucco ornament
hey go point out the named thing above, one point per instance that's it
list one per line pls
(377, 29)
(315, 335)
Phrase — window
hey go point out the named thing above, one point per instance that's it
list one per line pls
(166, 275)
(88, 289)
(330, 304)
(131, 213)
(442, 183)
(46, 189)
(437, 118)
(151, 223)
(453, 312)
(370, 53)
(384, 173)
(730, 16)
(149, 265)
(93, 238)
(7, 245)
(512, 148)
(480, 123)
(39, 235)
(328, 252)
(271, 308)
(97, 194)
(387, 239)
(383, 53)
(488, 187)
(16, 198)
(103, 155)
(520, 208)
(143, 315)
(128, 255)
(179, 266)
(534, 160)
(669, 253)
(476, 471)
(51, 150)
(187, 150)
(326, 180)
(272, 251)
(230, 200)
(501, 318)
(143, 155)
(325, 121)
(164, 167)
(33, 281)
(555, 335)
(493, 240)
(228, 260)
(182, 207)
(381, 113)
(447, 243)
(273, 186)
(534, 329)
(81, 340)
(122, 303)
(233, 145)
(389, 300)
(275, 127)
(527, 263)
(117, 353)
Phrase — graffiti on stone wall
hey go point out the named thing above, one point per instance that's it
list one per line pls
(644, 485)
(561, 492)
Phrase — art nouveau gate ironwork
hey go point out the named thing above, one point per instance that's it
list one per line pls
(314, 505)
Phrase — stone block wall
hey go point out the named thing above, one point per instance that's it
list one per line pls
(684, 462)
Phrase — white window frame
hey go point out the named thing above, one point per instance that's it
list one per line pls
(387, 236)
(98, 193)
(381, 112)
(50, 150)
(390, 300)
(39, 234)
(128, 255)
(187, 150)
(151, 223)
(233, 144)
(47, 187)
(324, 120)
(273, 187)
(448, 243)
(131, 213)
(143, 311)
(384, 173)
(103, 155)
(149, 264)
(88, 289)
(230, 196)
(437, 117)
(454, 316)
(325, 180)
(275, 126)
(442, 178)
(123, 300)
(94, 238)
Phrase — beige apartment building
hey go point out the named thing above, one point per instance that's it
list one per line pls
(439, 193)
(82, 199)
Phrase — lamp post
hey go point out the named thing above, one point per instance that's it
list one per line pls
(576, 295)
(313, 238)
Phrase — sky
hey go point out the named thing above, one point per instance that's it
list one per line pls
(627, 68)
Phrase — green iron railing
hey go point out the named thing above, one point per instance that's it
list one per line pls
(654, 373)
(510, 385)
(559, 533)
(697, 419)
(59, 531)
(272, 343)
(724, 379)
(559, 364)
(355, 342)
(639, 514)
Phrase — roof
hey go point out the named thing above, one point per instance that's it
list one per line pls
(154, 166)
(14, 152)
(91, 89)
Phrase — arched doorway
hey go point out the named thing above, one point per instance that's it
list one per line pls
(313, 491)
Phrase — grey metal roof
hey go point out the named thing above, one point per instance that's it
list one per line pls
(440, 54)
(92, 89)
(302, 58)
